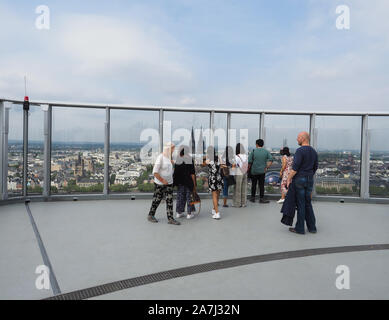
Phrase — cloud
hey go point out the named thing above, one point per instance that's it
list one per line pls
(92, 58)
(158, 59)
(104, 45)
(318, 67)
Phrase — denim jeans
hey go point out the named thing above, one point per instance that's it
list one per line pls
(225, 188)
(304, 186)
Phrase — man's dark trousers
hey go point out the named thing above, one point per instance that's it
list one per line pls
(260, 179)
(304, 186)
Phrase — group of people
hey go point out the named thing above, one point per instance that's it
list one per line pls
(235, 169)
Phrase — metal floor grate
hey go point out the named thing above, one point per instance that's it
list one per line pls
(207, 267)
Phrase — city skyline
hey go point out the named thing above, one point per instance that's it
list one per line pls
(81, 124)
(81, 169)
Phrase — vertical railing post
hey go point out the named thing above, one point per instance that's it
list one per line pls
(161, 130)
(312, 130)
(365, 158)
(47, 127)
(107, 128)
(2, 151)
(262, 129)
(25, 151)
(4, 125)
(228, 128)
(313, 139)
(212, 128)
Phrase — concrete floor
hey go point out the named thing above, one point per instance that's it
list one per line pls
(95, 242)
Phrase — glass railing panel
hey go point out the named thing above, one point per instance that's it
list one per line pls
(178, 128)
(244, 130)
(281, 131)
(134, 147)
(35, 175)
(77, 152)
(220, 132)
(379, 156)
(15, 151)
(339, 149)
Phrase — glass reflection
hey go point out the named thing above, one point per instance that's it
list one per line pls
(15, 151)
(339, 149)
(245, 130)
(130, 171)
(281, 131)
(192, 129)
(77, 157)
(35, 176)
(379, 156)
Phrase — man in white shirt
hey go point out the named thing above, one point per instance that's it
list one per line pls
(163, 183)
(240, 190)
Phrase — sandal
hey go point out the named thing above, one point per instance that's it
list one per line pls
(294, 231)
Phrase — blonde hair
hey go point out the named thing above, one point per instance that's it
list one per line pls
(168, 145)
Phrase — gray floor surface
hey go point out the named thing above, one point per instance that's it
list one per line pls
(95, 242)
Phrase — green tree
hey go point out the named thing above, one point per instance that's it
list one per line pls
(120, 188)
(146, 187)
(36, 189)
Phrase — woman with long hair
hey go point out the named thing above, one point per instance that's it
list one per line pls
(184, 178)
(287, 161)
(240, 191)
(215, 180)
(227, 161)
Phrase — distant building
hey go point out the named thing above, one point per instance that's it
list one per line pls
(88, 182)
(89, 164)
(78, 167)
(335, 182)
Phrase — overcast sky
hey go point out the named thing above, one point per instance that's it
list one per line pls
(285, 54)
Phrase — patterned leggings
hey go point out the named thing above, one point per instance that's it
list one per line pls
(183, 197)
(159, 191)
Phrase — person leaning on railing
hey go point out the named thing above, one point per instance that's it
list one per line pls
(184, 178)
(163, 183)
(215, 180)
(227, 161)
(260, 160)
(240, 190)
(287, 161)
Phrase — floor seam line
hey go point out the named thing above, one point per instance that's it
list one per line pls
(46, 260)
(207, 267)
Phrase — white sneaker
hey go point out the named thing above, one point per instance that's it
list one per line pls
(179, 215)
(213, 212)
(216, 216)
(190, 216)
(281, 201)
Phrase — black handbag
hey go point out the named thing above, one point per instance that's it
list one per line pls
(225, 172)
(231, 180)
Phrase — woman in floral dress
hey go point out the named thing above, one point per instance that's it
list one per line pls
(215, 180)
(287, 161)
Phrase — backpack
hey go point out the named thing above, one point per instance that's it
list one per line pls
(245, 166)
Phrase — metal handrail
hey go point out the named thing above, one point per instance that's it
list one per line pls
(258, 110)
(365, 147)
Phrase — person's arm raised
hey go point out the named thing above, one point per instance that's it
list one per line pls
(158, 176)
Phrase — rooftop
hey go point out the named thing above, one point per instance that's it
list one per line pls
(110, 247)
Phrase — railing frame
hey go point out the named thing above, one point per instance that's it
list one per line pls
(47, 109)
(47, 150)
